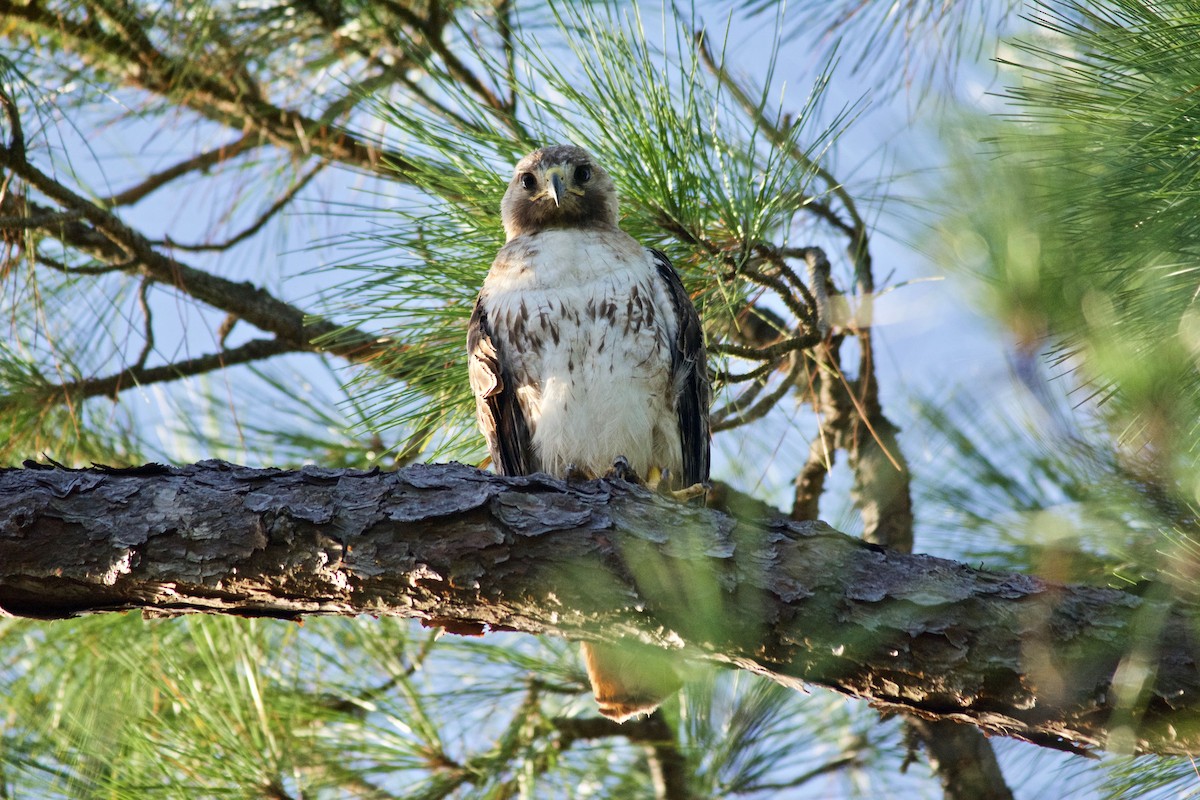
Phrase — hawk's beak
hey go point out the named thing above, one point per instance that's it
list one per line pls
(555, 188)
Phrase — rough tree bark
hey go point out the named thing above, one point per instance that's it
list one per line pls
(795, 601)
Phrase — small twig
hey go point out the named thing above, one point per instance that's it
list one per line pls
(16, 143)
(801, 312)
(740, 402)
(760, 409)
(848, 760)
(757, 374)
(59, 266)
(772, 352)
(777, 260)
(143, 289)
(258, 224)
(196, 163)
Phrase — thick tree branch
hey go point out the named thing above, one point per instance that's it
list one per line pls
(796, 602)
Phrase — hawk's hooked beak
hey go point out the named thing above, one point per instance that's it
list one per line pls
(555, 186)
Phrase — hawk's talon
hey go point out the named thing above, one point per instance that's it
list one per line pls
(690, 493)
(621, 469)
(573, 474)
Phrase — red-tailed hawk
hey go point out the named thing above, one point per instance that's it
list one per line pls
(584, 347)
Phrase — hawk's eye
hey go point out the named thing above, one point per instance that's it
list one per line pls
(583, 174)
(528, 182)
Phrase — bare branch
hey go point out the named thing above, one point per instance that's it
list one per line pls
(258, 224)
(110, 240)
(139, 375)
(148, 318)
(197, 163)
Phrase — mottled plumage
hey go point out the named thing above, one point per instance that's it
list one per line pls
(583, 347)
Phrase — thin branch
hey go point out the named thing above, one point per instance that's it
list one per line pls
(16, 142)
(742, 401)
(232, 106)
(148, 345)
(772, 352)
(67, 269)
(138, 375)
(763, 406)
(258, 224)
(836, 765)
(112, 241)
(196, 163)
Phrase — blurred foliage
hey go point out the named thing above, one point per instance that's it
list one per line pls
(1082, 224)
(1075, 209)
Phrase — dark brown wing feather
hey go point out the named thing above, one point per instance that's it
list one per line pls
(689, 376)
(496, 407)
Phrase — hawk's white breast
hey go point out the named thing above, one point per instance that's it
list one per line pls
(585, 326)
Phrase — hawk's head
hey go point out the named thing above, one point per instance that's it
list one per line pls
(558, 187)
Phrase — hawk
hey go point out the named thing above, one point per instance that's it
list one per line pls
(584, 347)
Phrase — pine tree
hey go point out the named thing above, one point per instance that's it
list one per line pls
(255, 232)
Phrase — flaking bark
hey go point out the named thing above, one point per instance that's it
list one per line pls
(795, 601)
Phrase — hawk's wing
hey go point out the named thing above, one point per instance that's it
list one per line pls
(689, 376)
(499, 413)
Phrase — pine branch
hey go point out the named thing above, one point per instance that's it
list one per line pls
(254, 227)
(197, 163)
(140, 375)
(796, 602)
(231, 105)
(108, 239)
